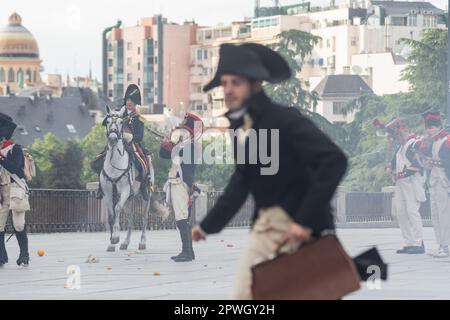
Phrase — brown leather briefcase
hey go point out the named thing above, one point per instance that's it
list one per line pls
(319, 270)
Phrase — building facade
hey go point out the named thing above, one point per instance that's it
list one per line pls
(154, 55)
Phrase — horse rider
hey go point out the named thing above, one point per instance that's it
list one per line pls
(13, 191)
(180, 148)
(133, 133)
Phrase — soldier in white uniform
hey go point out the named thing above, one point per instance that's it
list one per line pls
(435, 149)
(408, 174)
(180, 187)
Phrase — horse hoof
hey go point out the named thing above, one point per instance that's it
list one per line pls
(142, 246)
(123, 246)
(111, 248)
(115, 240)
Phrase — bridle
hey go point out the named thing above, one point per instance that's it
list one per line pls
(119, 133)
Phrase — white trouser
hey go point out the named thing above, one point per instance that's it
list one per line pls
(269, 231)
(179, 200)
(17, 216)
(440, 208)
(407, 209)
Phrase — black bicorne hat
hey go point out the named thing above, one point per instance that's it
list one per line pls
(251, 60)
(7, 126)
(133, 93)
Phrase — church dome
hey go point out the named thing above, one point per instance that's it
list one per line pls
(16, 42)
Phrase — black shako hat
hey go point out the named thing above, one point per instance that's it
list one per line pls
(432, 119)
(132, 93)
(251, 60)
(7, 126)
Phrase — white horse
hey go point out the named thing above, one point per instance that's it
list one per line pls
(118, 181)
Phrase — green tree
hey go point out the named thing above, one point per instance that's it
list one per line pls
(41, 151)
(427, 70)
(66, 167)
(295, 46)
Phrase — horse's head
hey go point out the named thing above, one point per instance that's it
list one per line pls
(114, 125)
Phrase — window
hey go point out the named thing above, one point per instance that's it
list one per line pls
(110, 93)
(139, 50)
(2, 75)
(110, 47)
(28, 75)
(156, 60)
(139, 66)
(11, 75)
(129, 45)
(150, 60)
(71, 128)
(129, 61)
(199, 54)
(110, 62)
(20, 75)
(398, 21)
(338, 107)
(354, 41)
(429, 21)
(205, 54)
(412, 21)
(22, 130)
(139, 81)
(129, 77)
(110, 78)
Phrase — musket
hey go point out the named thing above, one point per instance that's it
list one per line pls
(156, 133)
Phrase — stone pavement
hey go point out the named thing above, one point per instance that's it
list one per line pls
(134, 275)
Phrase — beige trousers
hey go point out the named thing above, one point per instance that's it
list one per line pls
(179, 200)
(440, 207)
(269, 231)
(407, 209)
(18, 217)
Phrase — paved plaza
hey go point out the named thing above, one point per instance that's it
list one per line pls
(151, 274)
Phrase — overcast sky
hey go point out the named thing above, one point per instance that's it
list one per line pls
(69, 31)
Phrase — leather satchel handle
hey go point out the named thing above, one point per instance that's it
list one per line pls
(312, 239)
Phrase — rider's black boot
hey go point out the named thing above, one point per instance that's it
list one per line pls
(3, 253)
(99, 194)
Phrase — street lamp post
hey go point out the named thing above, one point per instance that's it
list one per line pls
(105, 56)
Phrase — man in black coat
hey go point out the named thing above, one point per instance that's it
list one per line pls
(12, 177)
(292, 200)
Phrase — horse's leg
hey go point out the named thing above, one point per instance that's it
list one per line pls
(118, 211)
(142, 243)
(128, 212)
(110, 209)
